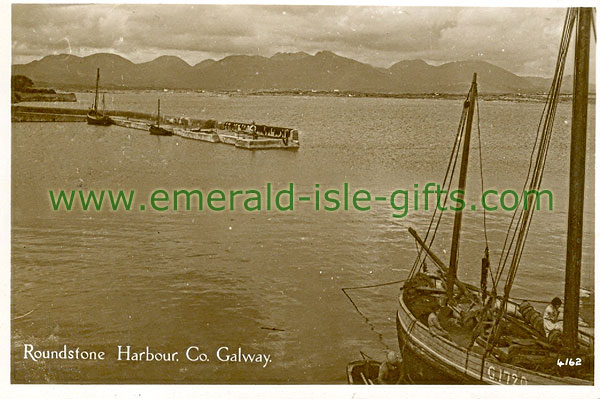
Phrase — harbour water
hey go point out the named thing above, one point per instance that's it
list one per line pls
(268, 282)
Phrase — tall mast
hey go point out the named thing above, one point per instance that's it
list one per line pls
(577, 179)
(96, 96)
(462, 183)
(158, 120)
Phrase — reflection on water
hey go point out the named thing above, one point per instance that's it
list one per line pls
(268, 282)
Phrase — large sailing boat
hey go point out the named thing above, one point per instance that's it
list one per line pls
(484, 337)
(94, 117)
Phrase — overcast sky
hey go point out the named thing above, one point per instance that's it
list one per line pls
(522, 40)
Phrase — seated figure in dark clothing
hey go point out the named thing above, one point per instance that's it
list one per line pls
(391, 371)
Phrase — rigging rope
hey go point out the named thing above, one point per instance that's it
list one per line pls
(450, 172)
(481, 170)
(535, 170)
(533, 181)
(594, 23)
(487, 247)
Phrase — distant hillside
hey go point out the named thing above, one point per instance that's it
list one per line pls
(322, 71)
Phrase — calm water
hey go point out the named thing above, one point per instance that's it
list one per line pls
(171, 280)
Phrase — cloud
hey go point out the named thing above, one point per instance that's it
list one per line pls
(521, 40)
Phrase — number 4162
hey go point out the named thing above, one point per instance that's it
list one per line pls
(569, 362)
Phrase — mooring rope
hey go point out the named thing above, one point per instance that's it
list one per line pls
(374, 285)
(373, 328)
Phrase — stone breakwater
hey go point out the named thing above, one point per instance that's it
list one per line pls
(237, 134)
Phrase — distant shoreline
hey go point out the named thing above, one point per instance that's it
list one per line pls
(510, 97)
(436, 96)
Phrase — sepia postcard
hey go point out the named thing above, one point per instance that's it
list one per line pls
(308, 195)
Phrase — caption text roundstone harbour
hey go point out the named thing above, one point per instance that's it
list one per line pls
(127, 353)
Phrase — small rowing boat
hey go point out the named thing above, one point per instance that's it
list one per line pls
(363, 372)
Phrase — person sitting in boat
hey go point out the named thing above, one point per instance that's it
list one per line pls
(434, 274)
(391, 370)
(551, 314)
(435, 328)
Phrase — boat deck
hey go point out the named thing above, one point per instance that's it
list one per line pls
(521, 351)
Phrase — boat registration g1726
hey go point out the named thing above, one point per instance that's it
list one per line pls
(505, 377)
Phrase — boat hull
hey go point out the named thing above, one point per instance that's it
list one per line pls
(363, 372)
(430, 359)
(98, 119)
(160, 131)
(421, 368)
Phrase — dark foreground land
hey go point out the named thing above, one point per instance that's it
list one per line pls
(23, 90)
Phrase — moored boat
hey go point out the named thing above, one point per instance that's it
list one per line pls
(453, 332)
(156, 130)
(94, 117)
(525, 358)
(160, 131)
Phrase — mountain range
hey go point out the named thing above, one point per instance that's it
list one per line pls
(283, 71)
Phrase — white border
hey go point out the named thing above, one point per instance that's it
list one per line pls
(244, 391)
